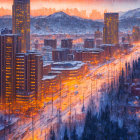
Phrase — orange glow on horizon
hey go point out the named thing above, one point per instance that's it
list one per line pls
(94, 8)
(72, 12)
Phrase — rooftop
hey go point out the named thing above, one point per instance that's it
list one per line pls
(92, 50)
(107, 45)
(69, 65)
(48, 77)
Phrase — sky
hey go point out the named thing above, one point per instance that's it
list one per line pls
(88, 5)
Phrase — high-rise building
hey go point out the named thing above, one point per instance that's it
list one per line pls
(9, 46)
(21, 22)
(35, 70)
(29, 68)
(51, 42)
(66, 43)
(111, 28)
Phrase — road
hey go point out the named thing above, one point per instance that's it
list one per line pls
(73, 97)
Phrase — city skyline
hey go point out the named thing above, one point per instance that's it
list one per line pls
(61, 73)
(59, 5)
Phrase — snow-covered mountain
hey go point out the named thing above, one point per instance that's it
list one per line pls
(57, 23)
(129, 19)
(5, 22)
(131, 14)
(63, 23)
(60, 22)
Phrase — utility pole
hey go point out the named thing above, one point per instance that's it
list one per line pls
(91, 87)
(32, 126)
(83, 108)
(52, 101)
(9, 111)
(5, 122)
(60, 101)
(9, 116)
(108, 77)
(69, 98)
(45, 136)
(91, 92)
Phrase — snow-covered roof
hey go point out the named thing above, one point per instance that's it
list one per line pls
(61, 49)
(92, 50)
(97, 49)
(48, 77)
(47, 63)
(107, 45)
(69, 65)
(9, 34)
(65, 62)
(20, 56)
(55, 72)
(137, 89)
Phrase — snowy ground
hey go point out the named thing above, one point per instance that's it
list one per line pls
(76, 97)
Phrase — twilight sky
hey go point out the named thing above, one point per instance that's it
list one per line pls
(88, 5)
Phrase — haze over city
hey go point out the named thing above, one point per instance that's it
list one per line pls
(94, 7)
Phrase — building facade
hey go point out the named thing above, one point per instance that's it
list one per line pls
(111, 28)
(98, 34)
(29, 69)
(51, 42)
(93, 56)
(60, 54)
(66, 43)
(89, 43)
(21, 73)
(35, 71)
(9, 46)
(21, 22)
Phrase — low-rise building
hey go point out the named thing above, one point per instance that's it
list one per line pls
(50, 87)
(50, 42)
(125, 48)
(46, 68)
(110, 50)
(93, 56)
(73, 70)
(89, 43)
(60, 54)
(67, 43)
(99, 41)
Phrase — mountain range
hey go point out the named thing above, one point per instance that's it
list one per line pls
(60, 22)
